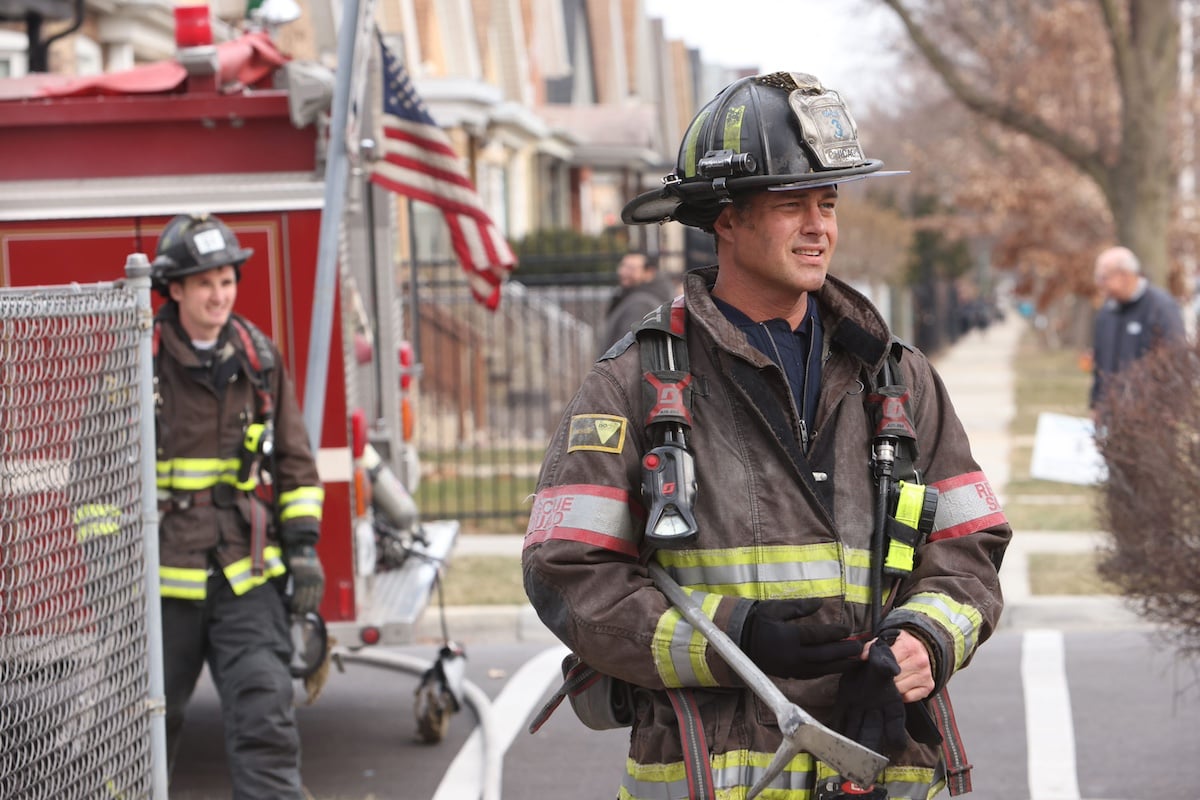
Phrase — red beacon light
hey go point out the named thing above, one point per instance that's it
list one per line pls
(406, 364)
(358, 433)
(193, 26)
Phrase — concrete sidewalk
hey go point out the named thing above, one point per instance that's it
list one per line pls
(978, 373)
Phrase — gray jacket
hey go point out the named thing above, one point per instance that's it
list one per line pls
(1127, 331)
(629, 306)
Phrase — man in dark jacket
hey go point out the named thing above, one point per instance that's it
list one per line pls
(778, 409)
(230, 542)
(641, 289)
(1135, 318)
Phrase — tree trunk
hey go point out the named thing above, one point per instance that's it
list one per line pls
(1141, 189)
(1138, 181)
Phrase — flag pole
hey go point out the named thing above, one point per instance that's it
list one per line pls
(337, 168)
(413, 282)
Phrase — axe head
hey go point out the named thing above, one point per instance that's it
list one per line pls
(802, 733)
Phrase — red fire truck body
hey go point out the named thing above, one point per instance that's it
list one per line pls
(93, 171)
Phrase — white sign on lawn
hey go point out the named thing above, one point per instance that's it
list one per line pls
(1064, 449)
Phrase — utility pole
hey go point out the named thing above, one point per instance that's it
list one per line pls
(1187, 171)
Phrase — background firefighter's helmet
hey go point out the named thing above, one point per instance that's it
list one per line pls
(778, 132)
(193, 243)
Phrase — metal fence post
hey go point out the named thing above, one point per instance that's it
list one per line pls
(137, 271)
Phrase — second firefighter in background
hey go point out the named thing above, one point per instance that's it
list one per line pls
(230, 547)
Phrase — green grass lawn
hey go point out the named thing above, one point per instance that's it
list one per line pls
(483, 580)
(1050, 381)
(1046, 381)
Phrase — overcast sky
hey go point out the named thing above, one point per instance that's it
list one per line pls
(842, 42)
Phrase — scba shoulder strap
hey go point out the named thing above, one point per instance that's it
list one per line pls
(668, 470)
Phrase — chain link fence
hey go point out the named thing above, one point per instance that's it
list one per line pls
(75, 645)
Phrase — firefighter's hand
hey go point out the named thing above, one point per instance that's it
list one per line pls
(308, 578)
(915, 679)
(782, 644)
(870, 710)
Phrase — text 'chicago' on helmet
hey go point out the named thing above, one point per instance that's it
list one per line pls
(779, 132)
(193, 243)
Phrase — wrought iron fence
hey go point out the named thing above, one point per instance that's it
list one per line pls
(494, 385)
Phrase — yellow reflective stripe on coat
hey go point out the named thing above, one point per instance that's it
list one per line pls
(827, 569)
(305, 501)
(238, 573)
(680, 651)
(960, 620)
(182, 583)
(191, 584)
(195, 474)
(96, 519)
(734, 772)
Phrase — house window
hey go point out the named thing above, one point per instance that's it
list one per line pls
(14, 58)
(89, 57)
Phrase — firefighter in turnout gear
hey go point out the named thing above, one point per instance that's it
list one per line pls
(240, 502)
(786, 385)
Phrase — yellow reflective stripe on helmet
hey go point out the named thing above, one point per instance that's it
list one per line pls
(690, 138)
(757, 573)
(96, 519)
(182, 583)
(731, 138)
(238, 573)
(961, 621)
(305, 501)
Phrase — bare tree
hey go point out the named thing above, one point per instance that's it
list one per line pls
(1150, 501)
(1094, 80)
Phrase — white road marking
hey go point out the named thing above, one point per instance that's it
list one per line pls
(1049, 730)
(466, 776)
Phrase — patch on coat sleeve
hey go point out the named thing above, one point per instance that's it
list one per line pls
(966, 505)
(602, 432)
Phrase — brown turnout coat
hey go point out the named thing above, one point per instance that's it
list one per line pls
(769, 528)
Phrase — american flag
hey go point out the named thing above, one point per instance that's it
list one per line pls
(418, 161)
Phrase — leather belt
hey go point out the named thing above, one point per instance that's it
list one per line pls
(222, 495)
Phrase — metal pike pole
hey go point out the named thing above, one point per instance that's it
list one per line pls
(801, 731)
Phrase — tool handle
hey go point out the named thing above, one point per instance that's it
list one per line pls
(754, 677)
(801, 731)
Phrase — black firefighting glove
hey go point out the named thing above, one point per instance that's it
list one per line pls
(307, 577)
(869, 706)
(782, 645)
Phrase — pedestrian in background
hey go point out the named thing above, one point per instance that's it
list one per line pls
(1135, 318)
(640, 290)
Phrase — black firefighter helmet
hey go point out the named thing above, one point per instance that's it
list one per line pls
(192, 243)
(778, 132)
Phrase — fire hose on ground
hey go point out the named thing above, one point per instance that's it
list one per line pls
(472, 695)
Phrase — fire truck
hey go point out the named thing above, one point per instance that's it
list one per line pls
(94, 168)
